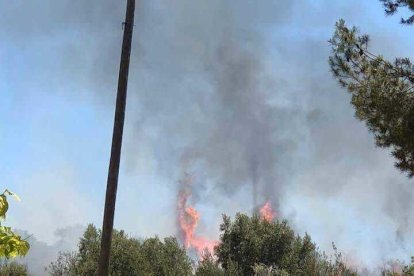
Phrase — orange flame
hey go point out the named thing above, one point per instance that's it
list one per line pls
(188, 218)
(267, 213)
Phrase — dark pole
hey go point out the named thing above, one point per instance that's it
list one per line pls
(254, 183)
(112, 182)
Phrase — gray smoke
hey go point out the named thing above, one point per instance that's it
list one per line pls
(213, 93)
(42, 254)
(242, 91)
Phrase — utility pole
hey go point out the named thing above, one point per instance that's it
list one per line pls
(113, 172)
(254, 184)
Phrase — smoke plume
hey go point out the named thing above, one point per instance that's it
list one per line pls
(240, 90)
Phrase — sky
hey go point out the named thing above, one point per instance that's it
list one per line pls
(229, 92)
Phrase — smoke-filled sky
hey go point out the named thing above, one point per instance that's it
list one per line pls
(231, 92)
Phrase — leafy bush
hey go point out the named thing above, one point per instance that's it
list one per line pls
(11, 244)
(259, 247)
(12, 269)
(129, 256)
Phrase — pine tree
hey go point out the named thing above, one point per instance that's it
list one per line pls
(392, 6)
(382, 90)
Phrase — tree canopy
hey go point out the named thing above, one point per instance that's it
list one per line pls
(382, 92)
(129, 256)
(392, 6)
(256, 245)
(247, 246)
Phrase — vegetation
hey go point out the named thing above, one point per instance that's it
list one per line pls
(247, 246)
(382, 91)
(402, 270)
(11, 244)
(12, 269)
(129, 256)
(259, 247)
(409, 269)
(392, 6)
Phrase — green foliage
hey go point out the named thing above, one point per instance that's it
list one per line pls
(409, 269)
(249, 241)
(165, 258)
(209, 267)
(392, 6)
(65, 265)
(262, 270)
(129, 256)
(248, 246)
(382, 92)
(11, 244)
(12, 269)
(4, 206)
(259, 247)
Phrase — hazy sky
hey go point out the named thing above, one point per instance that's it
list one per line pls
(225, 90)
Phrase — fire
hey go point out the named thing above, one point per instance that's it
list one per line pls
(266, 212)
(188, 218)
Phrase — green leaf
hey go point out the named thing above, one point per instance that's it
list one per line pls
(4, 206)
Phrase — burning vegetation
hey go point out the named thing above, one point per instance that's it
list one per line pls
(267, 212)
(188, 218)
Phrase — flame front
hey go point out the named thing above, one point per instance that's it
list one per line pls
(266, 212)
(188, 218)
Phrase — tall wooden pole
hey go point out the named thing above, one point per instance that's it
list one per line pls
(113, 172)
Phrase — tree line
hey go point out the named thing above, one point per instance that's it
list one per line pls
(247, 246)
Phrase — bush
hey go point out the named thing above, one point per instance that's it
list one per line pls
(129, 256)
(12, 269)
